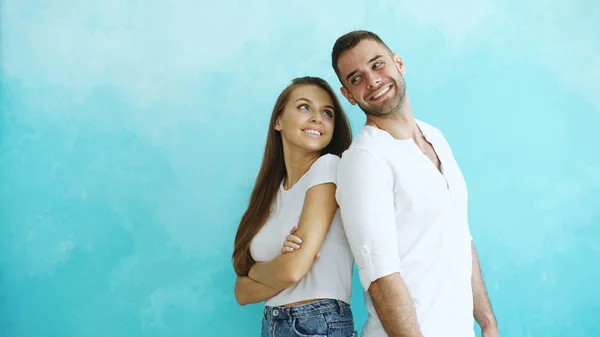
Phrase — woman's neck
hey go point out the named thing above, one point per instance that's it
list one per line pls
(297, 163)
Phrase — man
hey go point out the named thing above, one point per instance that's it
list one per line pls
(403, 202)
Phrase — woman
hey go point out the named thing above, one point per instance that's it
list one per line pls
(307, 290)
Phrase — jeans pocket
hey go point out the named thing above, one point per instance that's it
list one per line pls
(314, 326)
(341, 329)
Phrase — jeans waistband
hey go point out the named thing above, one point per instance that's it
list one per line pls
(306, 310)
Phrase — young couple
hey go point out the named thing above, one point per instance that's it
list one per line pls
(393, 200)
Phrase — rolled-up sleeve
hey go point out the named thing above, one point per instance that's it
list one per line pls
(366, 199)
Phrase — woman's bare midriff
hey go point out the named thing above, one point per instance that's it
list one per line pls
(303, 302)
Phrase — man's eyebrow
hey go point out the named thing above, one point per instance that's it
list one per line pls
(355, 71)
(374, 58)
(351, 74)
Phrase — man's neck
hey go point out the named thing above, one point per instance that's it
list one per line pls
(400, 124)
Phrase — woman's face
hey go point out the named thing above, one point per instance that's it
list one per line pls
(307, 120)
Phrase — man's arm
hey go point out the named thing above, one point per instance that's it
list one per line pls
(394, 306)
(249, 291)
(482, 309)
(288, 269)
(366, 199)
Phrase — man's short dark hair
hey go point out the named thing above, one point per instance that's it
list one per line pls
(349, 41)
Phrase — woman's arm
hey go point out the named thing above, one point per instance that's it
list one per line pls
(288, 269)
(249, 291)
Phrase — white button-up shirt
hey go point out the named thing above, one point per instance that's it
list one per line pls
(401, 214)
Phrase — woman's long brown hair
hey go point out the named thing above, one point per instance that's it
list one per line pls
(272, 171)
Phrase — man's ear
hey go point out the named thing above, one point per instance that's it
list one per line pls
(346, 94)
(399, 64)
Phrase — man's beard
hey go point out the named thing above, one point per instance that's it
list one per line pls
(395, 103)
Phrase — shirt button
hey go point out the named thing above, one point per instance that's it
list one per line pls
(275, 312)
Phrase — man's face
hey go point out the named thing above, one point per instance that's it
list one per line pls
(372, 78)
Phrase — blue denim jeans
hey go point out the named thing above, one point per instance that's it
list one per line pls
(324, 318)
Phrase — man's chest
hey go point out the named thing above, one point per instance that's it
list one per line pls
(427, 181)
(429, 152)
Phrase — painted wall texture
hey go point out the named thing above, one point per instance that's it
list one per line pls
(131, 133)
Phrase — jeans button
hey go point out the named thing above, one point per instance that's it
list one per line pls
(275, 312)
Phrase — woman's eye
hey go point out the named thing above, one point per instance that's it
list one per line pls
(328, 113)
(303, 107)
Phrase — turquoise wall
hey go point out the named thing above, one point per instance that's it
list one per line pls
(131, 132)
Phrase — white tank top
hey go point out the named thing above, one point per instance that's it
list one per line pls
(331, 276)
